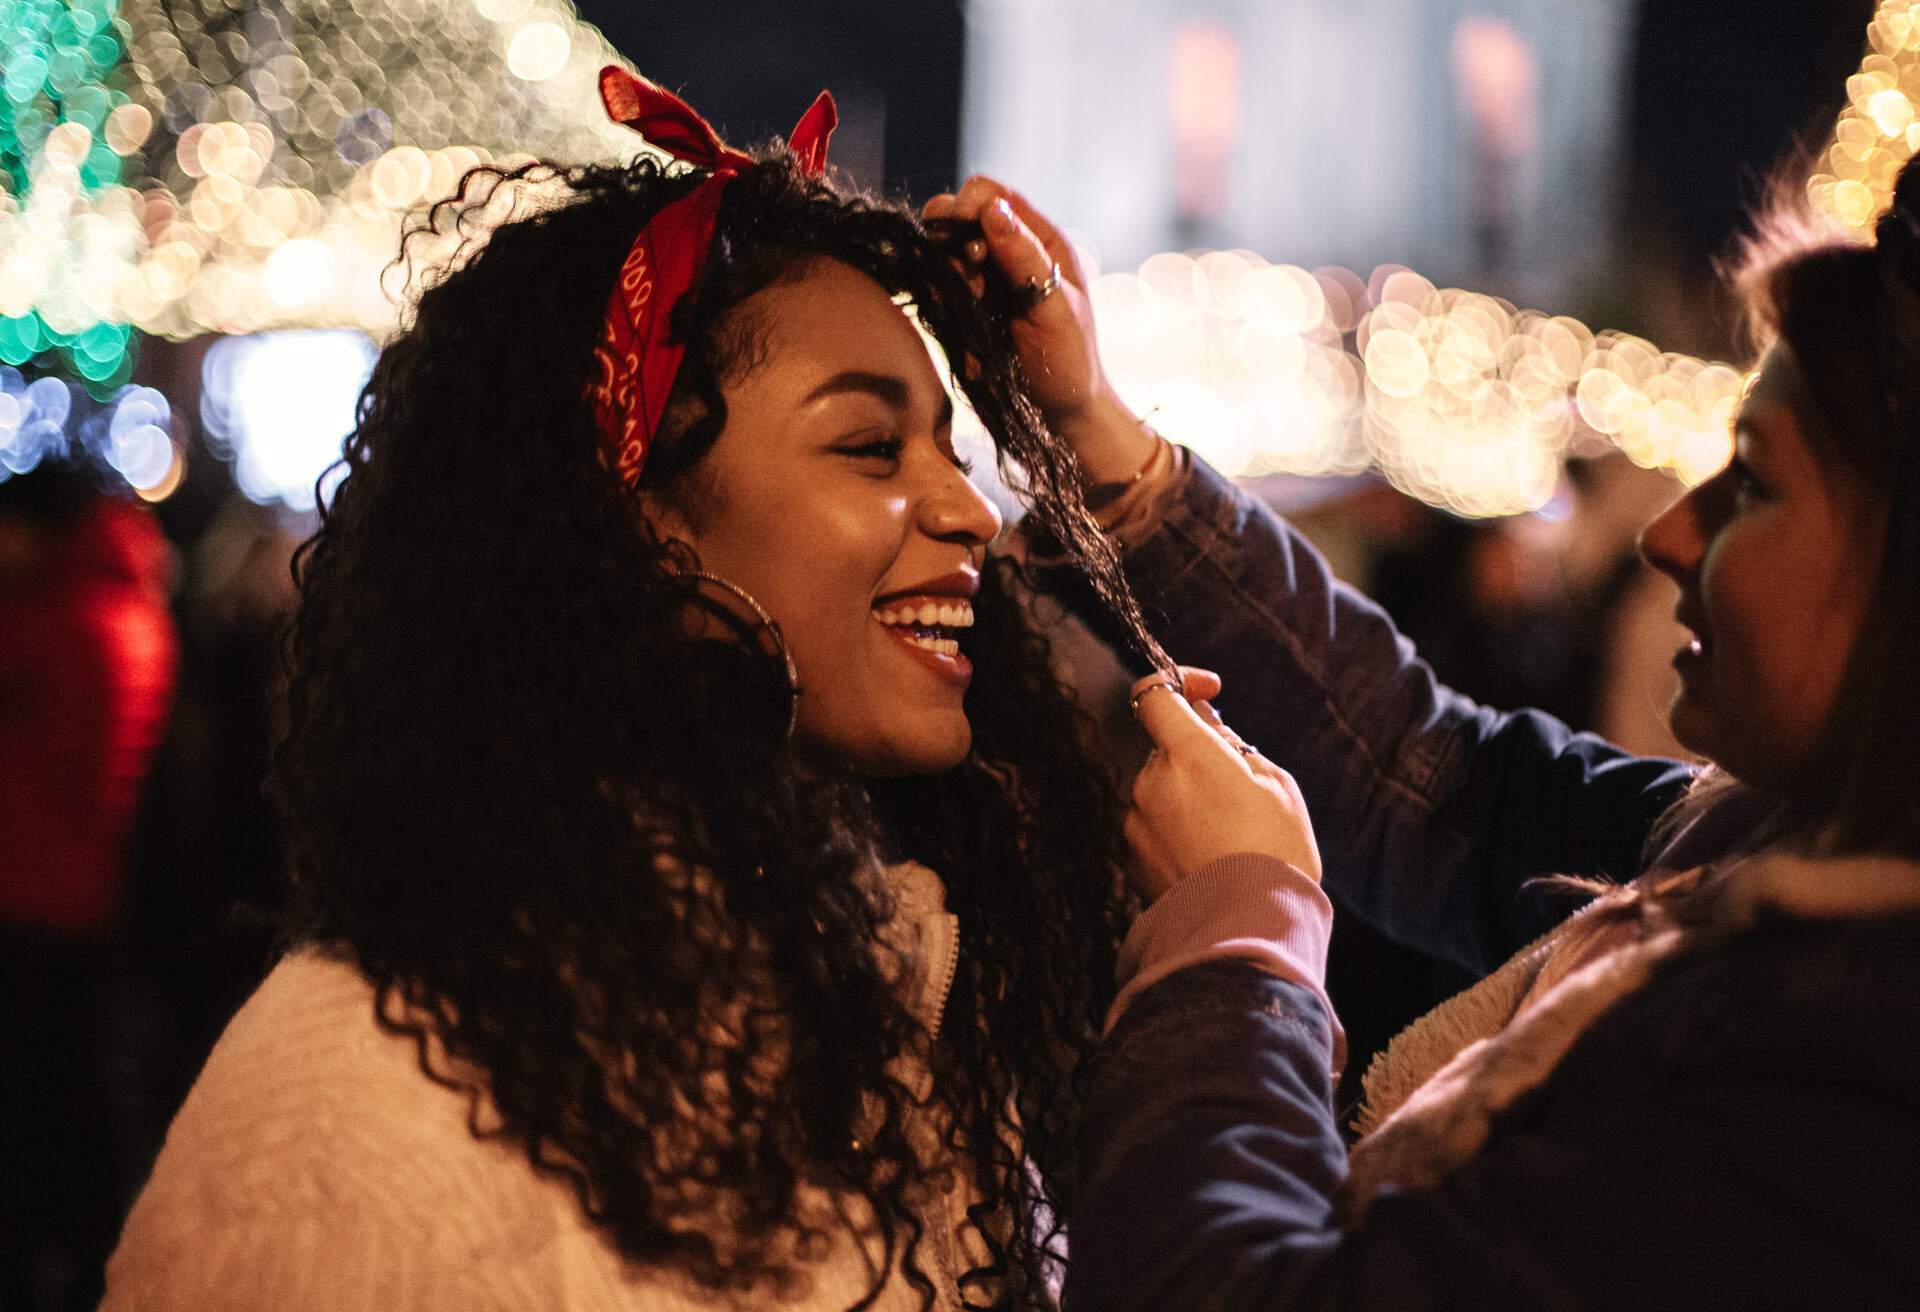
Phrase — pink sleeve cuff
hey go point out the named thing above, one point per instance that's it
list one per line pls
(1246, 907)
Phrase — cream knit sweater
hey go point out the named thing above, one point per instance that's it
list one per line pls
(314, 1166)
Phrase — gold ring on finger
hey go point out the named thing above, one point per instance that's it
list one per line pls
(1038, 289)
(1134, 701)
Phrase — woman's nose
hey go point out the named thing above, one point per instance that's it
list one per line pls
(959, 511)
(1672, 543)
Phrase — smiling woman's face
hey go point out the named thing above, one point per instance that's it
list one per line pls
(833, 496)
(1775, 558)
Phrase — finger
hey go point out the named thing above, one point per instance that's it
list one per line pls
(1014, 246)
(1049, 236)
(1169, 718)
(1206, 711)
(975, 194)
(1146, 778)
(980, 191)
(938, 207)
(1200, 685)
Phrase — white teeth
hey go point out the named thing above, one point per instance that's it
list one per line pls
(954, 615)
(943, 646)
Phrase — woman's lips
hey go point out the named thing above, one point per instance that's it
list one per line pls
(955, 670)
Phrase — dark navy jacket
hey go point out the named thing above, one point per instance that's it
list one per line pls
(1742, 1133)
(1431, 810)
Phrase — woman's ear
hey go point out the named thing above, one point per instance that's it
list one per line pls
(666, 519)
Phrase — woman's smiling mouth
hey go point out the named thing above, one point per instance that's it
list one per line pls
(927, 627)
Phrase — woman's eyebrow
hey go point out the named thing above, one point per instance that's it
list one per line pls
(888, 388)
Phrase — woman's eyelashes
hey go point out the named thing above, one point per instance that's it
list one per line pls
(890, 449)
(887, 449)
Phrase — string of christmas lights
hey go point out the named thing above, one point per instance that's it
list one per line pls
(1457, 398)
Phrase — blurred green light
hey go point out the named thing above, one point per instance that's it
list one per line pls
(18, 340)
(89, 105)
(66, 69)
(93, 370)
(103, 341)
(123, 370)
(102, 166)
(25, 76)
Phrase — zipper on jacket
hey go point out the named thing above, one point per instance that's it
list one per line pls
(947, 970)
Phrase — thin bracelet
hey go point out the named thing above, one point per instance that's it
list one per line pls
(1107, 495)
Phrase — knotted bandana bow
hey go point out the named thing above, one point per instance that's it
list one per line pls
(636, 357)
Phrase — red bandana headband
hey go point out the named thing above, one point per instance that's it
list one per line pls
(637, 358)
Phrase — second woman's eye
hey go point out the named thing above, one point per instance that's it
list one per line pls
(1745, 484)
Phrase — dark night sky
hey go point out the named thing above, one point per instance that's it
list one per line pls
(1724, 89)
(753, 67)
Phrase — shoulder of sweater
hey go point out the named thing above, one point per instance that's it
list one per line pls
(315, 1164)
(307, 1101)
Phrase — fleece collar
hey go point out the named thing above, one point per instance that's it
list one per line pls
(1431, 1097)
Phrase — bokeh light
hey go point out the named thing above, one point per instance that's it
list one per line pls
(278, 405)
(1878, 131)
(183, 168)
(50, 418)
(180, 168)
(1457, 398)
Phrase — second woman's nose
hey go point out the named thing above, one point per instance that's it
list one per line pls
(1675, 539)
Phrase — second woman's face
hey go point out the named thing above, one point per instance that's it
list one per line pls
(834, 497)
(1774, 558)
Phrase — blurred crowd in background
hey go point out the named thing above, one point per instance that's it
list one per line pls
(202, 200)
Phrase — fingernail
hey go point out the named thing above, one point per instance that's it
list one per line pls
(1001, 213)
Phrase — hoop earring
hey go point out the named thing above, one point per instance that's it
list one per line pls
(772, 628)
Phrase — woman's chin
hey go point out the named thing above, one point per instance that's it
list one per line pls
(932, 748)
(919, 759)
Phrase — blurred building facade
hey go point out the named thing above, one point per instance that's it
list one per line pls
(1475, 140)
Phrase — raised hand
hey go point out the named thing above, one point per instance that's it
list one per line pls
(1055, 336)
(1204, 793)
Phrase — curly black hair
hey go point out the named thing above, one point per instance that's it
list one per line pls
(531, 803)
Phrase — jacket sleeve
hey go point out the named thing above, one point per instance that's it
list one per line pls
(1432, 811)
(1211, 1160)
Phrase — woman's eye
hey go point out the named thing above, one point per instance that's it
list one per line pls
(962, 464)
(1744, 483)
(880, 448)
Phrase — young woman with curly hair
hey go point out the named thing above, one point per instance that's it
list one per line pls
(703, 896)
